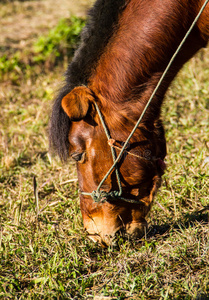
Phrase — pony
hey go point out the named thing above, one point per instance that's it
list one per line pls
(124, 50)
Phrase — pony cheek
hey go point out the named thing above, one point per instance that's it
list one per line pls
(85, 176)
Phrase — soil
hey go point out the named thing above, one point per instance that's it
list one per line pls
(22, 22)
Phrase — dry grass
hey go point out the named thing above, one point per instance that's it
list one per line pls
(44, 252)
(22, 22)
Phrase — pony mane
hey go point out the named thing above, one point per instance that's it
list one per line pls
(102, 21)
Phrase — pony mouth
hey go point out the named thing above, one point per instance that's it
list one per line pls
(130, 231)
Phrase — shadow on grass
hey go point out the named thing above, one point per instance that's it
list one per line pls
(202, 297)
(186, 221)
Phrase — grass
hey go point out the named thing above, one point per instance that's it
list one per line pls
(45, 53)
(44, 252)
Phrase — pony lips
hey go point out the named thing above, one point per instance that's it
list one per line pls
(125, 48)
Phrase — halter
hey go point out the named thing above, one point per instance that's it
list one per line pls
(103, 196)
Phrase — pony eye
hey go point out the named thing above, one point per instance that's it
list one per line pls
(79, 157)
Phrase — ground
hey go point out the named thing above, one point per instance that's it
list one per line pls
(44, 251)
(22, 22)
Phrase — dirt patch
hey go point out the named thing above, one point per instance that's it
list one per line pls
(22, 22)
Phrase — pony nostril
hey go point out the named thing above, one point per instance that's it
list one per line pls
(161, 164)
(136, 230)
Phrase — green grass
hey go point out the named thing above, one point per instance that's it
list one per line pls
(60, 42)
(44, 251)
(45, 53)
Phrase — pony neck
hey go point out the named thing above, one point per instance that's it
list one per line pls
(137, 54)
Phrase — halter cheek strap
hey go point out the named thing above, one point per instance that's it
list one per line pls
(102, 196)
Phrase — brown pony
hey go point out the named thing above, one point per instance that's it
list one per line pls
(125, 47)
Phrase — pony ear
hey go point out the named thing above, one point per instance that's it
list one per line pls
(76, 103)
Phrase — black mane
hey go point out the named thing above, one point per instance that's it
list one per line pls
(102, 21)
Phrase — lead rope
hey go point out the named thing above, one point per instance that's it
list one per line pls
(101, 196)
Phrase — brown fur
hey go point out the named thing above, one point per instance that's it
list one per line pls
(121, 80)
